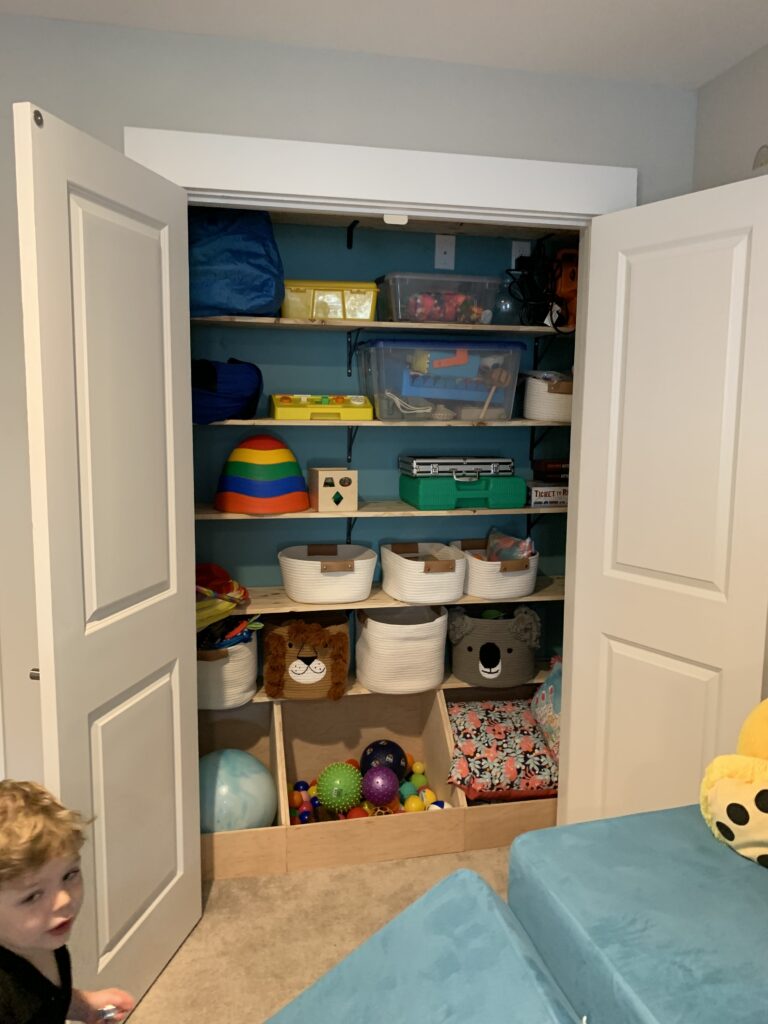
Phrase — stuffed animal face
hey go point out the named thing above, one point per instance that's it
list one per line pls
(495, 652)
(305, 659)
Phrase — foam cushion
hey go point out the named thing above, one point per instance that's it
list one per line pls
(455, 956)
(646, 919)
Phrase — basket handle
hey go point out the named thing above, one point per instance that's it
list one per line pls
(322, 549)
(514, 565)
(560, 387)
(439, 564)
(344, 565)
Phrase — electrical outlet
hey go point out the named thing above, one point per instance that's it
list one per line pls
(520, 247)
(445, 252)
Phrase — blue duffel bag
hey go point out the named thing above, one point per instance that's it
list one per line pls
(234, 263)
(224, 391)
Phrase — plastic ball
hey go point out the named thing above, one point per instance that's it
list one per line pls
(315, 801)
(368, 806)
(418, 780)
(358, 812)
(427, 797)
(407, 789)
(339, 787)
(437, 805)
(236, 791)
(305, 817)
(419, 768)
(380, 785)
(413, 803)
(312, 790)
(354, 762)
(409, 760)
(294, 799)
(300, 786)
(386, 754)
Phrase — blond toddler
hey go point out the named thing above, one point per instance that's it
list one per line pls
(41, 891)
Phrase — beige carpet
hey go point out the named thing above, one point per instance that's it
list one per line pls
(261, 941)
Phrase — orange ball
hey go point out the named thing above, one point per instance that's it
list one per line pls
(354, 762)
(410, 759)
(296, 798)
(394, 805)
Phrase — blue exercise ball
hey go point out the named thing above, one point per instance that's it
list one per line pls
(236, 791)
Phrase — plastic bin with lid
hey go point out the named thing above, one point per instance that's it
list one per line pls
(438, 298)
(440, 379)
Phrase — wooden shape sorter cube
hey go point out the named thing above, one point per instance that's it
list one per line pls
(333, 489)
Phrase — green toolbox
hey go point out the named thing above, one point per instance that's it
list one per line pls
(463, 490)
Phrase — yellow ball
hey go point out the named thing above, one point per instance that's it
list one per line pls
(418, 768)
(428, 797)
(414, 803)
(312, 790)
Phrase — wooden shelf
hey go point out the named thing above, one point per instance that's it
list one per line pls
(451, 683)
(372, 325)
(379, 510)
(279, 424)
(274, 600)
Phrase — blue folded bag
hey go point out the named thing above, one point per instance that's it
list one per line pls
(224, 391)
(234, 263)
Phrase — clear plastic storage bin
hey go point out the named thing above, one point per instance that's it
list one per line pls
(444, 379)
(438, 298)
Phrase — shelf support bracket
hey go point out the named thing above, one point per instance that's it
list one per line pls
(536, 440)
(531, 521)
(353, 338)
(351, 435)
(351, 233)
(351, 522)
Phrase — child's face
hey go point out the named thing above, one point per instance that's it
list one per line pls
(37, 910)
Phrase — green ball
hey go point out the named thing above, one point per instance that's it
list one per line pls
(407, 789)
(418, 781)
(339, 787)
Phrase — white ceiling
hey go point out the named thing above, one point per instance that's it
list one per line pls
(681, 43)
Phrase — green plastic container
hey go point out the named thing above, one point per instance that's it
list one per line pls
(435, 494)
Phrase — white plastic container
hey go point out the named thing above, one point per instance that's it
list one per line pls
(497, 581)
(327, 573)
(451, 378)
(226, 678)
(548, 396)
(401, 650)
(425, 573)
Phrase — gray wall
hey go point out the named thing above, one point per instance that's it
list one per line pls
(732, 122)
(101, 79)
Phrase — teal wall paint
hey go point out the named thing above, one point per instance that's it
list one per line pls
(315, 362)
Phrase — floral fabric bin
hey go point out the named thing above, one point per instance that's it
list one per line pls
(499, 751)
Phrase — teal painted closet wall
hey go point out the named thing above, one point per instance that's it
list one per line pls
(315, 362)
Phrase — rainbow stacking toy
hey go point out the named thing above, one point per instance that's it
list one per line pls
(262, 476)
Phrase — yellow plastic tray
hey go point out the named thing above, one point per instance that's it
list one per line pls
(320, 407)
(329, 300)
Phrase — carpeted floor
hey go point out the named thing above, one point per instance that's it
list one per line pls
(261, 941)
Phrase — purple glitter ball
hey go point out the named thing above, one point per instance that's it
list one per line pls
(380, 785)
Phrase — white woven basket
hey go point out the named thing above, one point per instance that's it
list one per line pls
(498, 581)
(401, 650)
(545, 400)
(422, 573)
(323, 573)
(226, 678)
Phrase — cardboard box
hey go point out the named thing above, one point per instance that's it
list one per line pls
(547, 494)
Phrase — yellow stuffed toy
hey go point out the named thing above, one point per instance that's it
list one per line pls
(734, 791)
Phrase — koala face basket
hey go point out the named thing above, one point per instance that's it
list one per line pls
(494, 652)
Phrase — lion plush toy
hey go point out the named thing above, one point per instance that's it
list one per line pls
(734, 791)
(306, 660)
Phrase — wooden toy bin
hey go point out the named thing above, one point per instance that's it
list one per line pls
(319, 734)
(256, 728)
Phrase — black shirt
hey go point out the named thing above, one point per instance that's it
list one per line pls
(27, 996)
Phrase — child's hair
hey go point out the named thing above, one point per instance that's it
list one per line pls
(34, 828)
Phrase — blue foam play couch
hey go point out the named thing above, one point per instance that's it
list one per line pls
(644, 919)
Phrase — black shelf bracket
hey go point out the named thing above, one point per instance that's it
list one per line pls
(351, 522)
(537, 438)
(351, 435)
(351, 233)
(531, 520)
(353, 338)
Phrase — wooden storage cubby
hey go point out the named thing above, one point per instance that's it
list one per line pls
(317, 734)
(256, 728)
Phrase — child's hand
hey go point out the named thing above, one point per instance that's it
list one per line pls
(85, 1006)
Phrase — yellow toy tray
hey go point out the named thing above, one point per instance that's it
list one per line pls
(320, 407)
